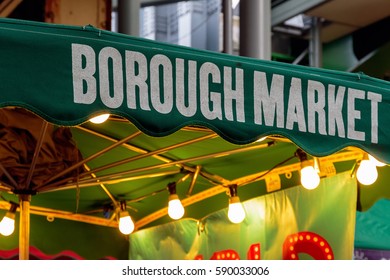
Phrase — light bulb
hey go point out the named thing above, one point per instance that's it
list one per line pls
(309, 177)
(375, 161)
(236, 213)
(367, 173)
(126, 224)
(7, 224)
(261, 139)
(175, 208)
(100, 119)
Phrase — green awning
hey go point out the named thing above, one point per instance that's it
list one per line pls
(67, 74)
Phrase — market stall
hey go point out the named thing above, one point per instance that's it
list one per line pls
(182, 122)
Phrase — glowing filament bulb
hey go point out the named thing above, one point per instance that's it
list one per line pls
(175, 208)
(375, 161)
(100, 119)
(7, 224)
(367, 172)
(126, 224)
(236, 212)
(309, 177)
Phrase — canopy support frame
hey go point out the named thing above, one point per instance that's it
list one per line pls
(36, 153)
(115, 176)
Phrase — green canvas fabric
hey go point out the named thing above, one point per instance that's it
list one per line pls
(372, 227)
(67, 74)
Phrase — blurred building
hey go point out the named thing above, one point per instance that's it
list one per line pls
(338, 34)
(188, 23)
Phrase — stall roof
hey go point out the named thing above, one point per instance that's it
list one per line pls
(177, 115)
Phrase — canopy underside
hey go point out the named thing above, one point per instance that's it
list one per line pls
(125, 165)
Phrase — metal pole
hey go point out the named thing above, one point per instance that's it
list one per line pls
(24, 226)
(128, 17)
(315, 43)
(255, 28)
(36, 153)
(227, 27)
(193, 181)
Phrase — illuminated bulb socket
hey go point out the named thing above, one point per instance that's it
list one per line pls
(234, 199)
